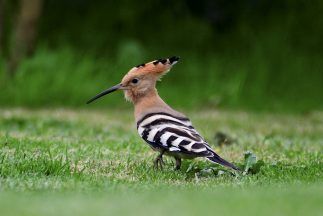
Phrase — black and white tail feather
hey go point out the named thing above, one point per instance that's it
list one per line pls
(177, 137)
(217, 159)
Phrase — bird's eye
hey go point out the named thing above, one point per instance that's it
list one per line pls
(135, 81)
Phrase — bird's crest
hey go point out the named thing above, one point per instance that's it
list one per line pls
(157, 66)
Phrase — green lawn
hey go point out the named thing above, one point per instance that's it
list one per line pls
(87, 162)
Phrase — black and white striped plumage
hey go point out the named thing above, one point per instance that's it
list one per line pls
(177, 137)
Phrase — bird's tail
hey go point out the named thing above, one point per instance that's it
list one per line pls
(217, 159)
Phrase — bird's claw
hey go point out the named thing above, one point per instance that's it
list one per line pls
(159, 162)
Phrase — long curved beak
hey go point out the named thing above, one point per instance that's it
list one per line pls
(105, 92)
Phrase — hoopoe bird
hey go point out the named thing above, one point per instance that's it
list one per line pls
(165, 130)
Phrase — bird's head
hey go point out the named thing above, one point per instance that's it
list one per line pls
(141, 80)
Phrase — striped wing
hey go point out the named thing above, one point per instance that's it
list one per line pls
(174, 134)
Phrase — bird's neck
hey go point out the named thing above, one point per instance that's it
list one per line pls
(148, 103)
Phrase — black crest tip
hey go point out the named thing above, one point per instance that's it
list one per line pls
(174, 59)
(163, 61)
(141, 65)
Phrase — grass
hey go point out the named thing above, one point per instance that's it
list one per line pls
(63, 162)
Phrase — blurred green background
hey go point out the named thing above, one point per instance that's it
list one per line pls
(247, 54)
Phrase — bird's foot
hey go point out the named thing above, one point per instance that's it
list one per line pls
(159, 162)
(178, 163)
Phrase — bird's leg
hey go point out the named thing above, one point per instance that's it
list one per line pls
(178, 163)
(159, 160)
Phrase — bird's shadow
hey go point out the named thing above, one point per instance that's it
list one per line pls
(197, 169)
